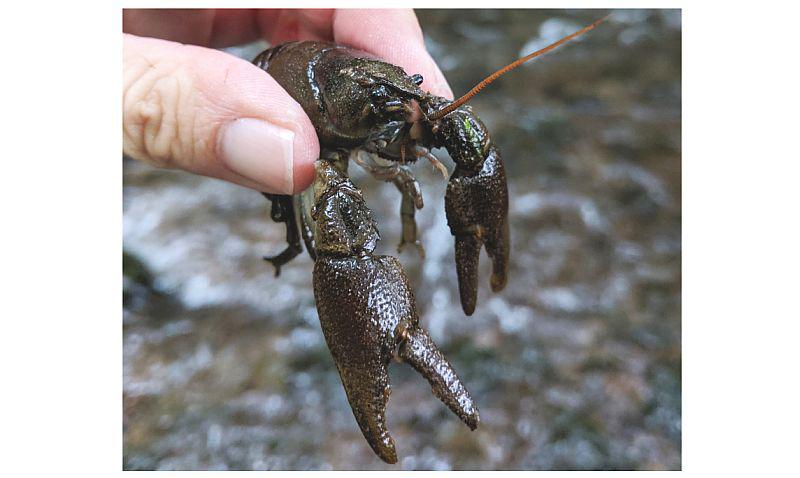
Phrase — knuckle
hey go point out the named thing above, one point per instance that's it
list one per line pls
(157, 109)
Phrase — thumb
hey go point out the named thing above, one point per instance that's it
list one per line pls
(210, 113)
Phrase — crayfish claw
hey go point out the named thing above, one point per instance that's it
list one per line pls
(418, 350)
(368, 313)
(358, 322)
(476, 204)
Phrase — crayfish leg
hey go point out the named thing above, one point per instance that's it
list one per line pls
(476, 204)
(283, 211)
(410, 192)
(408, 210)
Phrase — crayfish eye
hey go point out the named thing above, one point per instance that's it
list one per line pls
(380, 92)
(387, 102)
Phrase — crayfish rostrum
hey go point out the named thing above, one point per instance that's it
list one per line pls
(372, 113)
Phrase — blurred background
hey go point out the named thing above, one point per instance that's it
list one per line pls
(575, 365)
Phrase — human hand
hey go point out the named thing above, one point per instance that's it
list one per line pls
(202, 110)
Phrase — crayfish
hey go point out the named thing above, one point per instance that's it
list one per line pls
(372, 113)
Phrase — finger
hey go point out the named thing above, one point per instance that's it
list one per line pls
(210, 113)
(193, 26)
(205, 27)
(280, 26)
(419, 351)
(234, 26)
(395, 36)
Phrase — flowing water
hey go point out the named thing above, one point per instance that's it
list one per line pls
(575, 365)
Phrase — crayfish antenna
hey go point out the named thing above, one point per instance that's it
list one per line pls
(419, 351)
(502, 71)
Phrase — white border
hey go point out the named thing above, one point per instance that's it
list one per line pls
(61, 211)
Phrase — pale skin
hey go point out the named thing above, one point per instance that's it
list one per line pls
(179, 93)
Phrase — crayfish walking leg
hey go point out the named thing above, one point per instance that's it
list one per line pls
(406, 184)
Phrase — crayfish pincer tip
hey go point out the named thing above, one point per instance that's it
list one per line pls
(473, 420)
(389, 455)
(498, 282)
(468, 306)
(381, 443)
(386, 452)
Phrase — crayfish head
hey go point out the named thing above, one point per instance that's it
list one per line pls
(363, 92)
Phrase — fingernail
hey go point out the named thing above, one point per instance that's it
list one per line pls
(260, 151)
